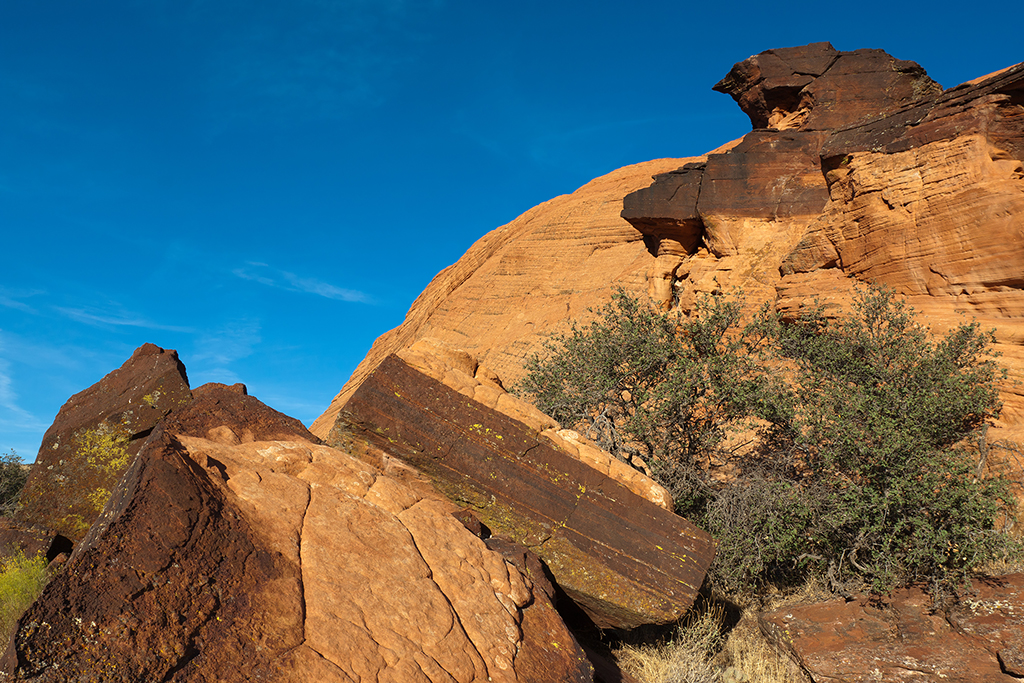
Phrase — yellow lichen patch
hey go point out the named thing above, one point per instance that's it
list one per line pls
(104, 449)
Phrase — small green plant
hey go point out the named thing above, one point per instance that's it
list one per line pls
(22, 579)
(13, 475)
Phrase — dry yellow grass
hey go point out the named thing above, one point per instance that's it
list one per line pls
(700, 651)
(748, 658)
(685, 656)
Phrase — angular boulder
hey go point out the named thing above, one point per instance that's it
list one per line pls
(624, 560)
(94, 438)
(904, 638)
(816, 87)
(227, 559)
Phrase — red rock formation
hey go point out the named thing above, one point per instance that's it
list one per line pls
(624, 560)
(223, 558)
(95, 436)
(816, 87)
(860, 169)
(903, 639)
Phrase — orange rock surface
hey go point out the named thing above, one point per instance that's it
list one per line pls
(230, 557)
(927, 197)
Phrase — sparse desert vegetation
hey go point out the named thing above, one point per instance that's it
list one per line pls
(22, 579)
(859, 466)
(13, 475)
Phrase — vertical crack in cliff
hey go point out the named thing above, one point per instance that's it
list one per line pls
(701, 226)
(302, 583)
(456, 619)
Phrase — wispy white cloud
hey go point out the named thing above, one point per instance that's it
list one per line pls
(229, 343)
(216, 350)
(100, 318)
(324, 289)
(12, 416)
(10, 298)
(282, 279)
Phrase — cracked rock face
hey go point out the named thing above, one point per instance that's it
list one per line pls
(816, 87)
(859, 641)
(224, 558)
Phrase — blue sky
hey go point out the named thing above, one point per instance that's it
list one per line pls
(267, 186)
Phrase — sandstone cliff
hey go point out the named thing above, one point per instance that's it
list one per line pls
(859, 169)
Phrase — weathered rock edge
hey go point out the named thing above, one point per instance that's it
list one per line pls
(902, 637)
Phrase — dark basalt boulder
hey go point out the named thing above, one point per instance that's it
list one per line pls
(234, 416)
(95, 437)
(178, 574)
(826, 88)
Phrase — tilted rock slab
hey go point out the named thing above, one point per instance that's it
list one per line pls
(458, 370)
(227, 559)
(108, 421)
(980, 640)
(624, 560)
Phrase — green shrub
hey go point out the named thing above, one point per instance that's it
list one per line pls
(658, 385)
(860, 470)
(22, 579)
(884, 415)
(13, 475)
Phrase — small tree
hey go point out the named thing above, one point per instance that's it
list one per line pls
(884, 415)
(13, 475)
